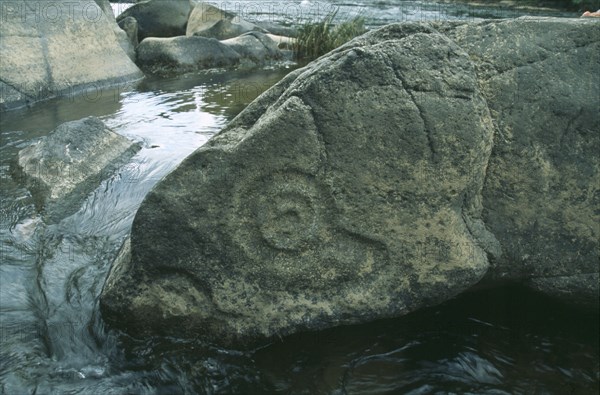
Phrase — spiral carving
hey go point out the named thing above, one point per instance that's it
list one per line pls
(284, 225)
(281, 212)
(287, 214)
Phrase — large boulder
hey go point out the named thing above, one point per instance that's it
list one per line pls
(159, 18)
(180, 54)
(206, 20)
(64, 166)
(388, 175)
(313, 208)
(47, 49)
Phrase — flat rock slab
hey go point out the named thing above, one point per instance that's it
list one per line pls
(67, 164)
(388, 175)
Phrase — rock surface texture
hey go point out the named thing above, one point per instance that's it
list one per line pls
(390, 174)
(181, 54)
(67, 164)
(58, 48)
(542, 190)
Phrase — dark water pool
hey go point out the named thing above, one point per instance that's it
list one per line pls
(53, 341)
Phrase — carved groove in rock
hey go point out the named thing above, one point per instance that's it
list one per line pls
(287, 216)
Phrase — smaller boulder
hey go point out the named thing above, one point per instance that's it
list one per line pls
(63, 167)
(159, 18)
(209, 21)
(254, 46)
(181, 54)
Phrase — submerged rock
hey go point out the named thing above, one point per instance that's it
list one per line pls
(386, 176)
(63, 167)
(46, 57)
(159, 18)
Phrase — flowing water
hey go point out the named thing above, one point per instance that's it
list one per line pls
(53, 341)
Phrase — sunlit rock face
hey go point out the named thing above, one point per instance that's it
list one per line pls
(366, 185)
(59, 48)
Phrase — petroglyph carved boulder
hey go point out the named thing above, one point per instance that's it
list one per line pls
(352, 190)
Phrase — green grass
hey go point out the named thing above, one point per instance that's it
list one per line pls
(317, 38)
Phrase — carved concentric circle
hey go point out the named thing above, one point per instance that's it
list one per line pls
(281, 214)
(283, 224)
(286, 215)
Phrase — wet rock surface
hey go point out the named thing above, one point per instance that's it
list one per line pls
(62, 168)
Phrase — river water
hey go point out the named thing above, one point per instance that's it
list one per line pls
(53, 341)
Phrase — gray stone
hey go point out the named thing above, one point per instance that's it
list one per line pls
(277, 29)
(130, 26)
(336, 222)
(207, 20)
(45, 57)
(63, 167)
(393, 173)
(542, 191)
(180, 54)
(255, 46)
(159, 18)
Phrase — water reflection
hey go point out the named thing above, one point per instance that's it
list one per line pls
(42, 118)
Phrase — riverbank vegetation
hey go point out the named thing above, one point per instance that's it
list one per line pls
(317, 38)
